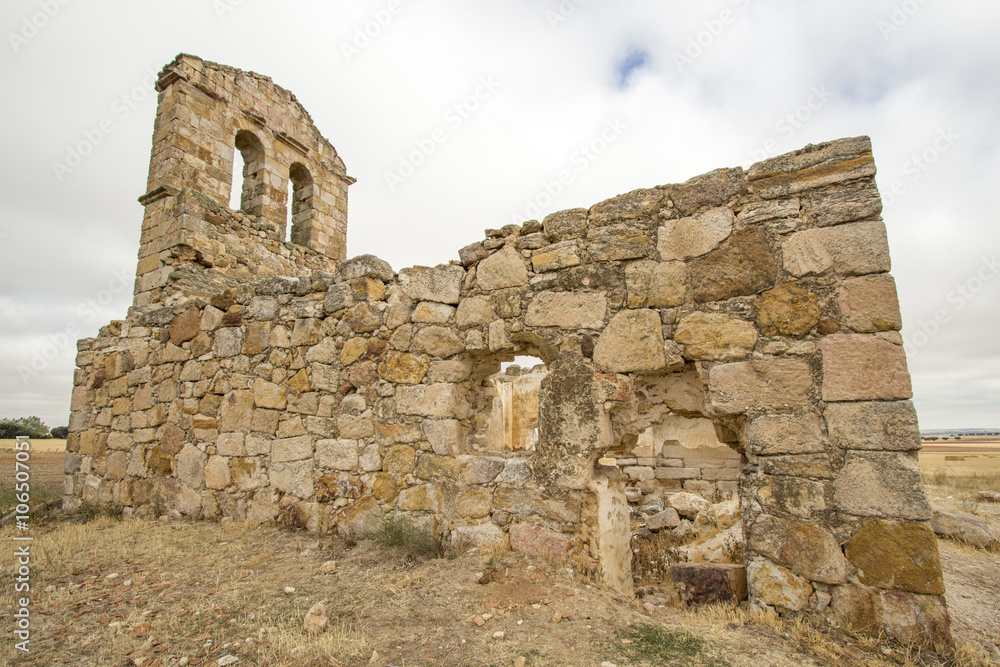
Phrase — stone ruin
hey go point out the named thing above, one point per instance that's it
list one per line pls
(734, 334)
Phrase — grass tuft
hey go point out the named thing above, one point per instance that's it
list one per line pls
(401, 534)
(660, 646)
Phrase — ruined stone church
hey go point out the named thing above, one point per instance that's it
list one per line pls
(734, 335)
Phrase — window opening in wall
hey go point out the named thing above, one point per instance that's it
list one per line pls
(300, 204)
(236, 189)
(288, 210)
(513, 423)
(251, 155)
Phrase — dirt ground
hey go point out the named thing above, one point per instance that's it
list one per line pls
(153, 593)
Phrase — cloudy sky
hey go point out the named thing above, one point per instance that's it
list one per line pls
(620, 95)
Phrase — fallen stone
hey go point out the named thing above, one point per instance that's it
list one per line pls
(668, 518)
(988, 497)
(687, 504)
(315, 621)
(964, 527)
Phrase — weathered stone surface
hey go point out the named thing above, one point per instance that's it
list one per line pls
(796, 496)
(538, 541)
(431, 466)
(365, 266)
(632, 341)
(563, 225)
(403, 368)
(217, 473)
(442, 283)
(656, 284)
(363, 318)
(715, 336)
(716, 188)
(686, 238)
(315, 620)
(438, 342)
(618, 242)
(445, 436)
(813, 167)
(855, 249)
(246, 473)
(185, 326)
(870, 304)
(422, 498)
(502, 269)
(877, 425)
(428, 312)
(399, 459)
(474, 503)
(228, 342)
(526, 505)
(858, 367)
(440, 401)
(687, 505)
(846, 203)
(634, 205)
(742, 266)
(452, 370)
(762, 211)
(190, 466)
(805, 548)
(737, 387)
(515, 472)
(486, 537)
(710, 583)
(292, 449)
(360, 519)
(787, 310)
(269, 395)
(341, 454)
(295, 478)
(337, 298)
(964, 528)
(882, 484)
(475, 311)
(786, 434)
(777, 586)
(556, 256)
(908, 618)
(481, 469)
(668, 518)
(567, 310)
(899, 555)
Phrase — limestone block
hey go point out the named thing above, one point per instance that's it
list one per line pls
(882, 484)
(499, 339)
(715, 188)
(743, 265)
(185, 326)
(687, 504)
(555, 257)
(921, 620)
(710, 583)
(567, 310)
(487, 537)
(359, 520)
(787, 310)
(870, 304)
(515, 472)
(269, 395)
(474, 311)
(634, 205)
(686, 238)
(384, 487)
(786, 434)
(452, 370)
(474, 503)
(292, 449)
(337, 298)
(481, 469)
(190, 466)
(353, 350)
(502, 269)
(855, 249)
(325, 352)
(857, 367)
(228, 342)
(438, 341)
(445, 435)
(403, 368)
(877, 425)
(438, 401)
(257, 337)
(442, 284)
(618, 242)
(805, 548)
(422, 498)
(245, 473)
(844, 203)
(356, 427)
(899, 555)
(399, 460)
(362, 318)
(964, 528)
(369, 459)
(538, 541)
(656, 284)
(473, 253)
(668, 518)
(777, 586)
(217, 473)
(365, 266)
(756, 212)
(431, 466)
(632, 341)
(294, 477)
(563, 225)
(813, 167)
(737, 387)
(527, 505)
(338, 454)
(715, 336)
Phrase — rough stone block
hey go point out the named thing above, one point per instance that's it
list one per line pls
(899, 555)
(716, 188)
(845, 203)
(403, 368)
(502, 269)
(786, 434)
(854, 249)
(618, 242)
(787, 310)
(538, 541)
(777, 586)
(563, 225)
(805, 548)
(632, 341)
(715, 336)
(858, 367)
(882, 484)
(567, 310)
(557, 256)
(686, 238)
(474, 311)
(737, 387)
(440, 401)
(742, 266)
(635, 205)
(813, 167)
(870, 304)
(877, 425)
(964, 528)
(292, 449)
(442, 283)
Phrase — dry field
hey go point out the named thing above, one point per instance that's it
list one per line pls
(116, 592)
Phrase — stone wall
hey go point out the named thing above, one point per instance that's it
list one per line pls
(758, 302)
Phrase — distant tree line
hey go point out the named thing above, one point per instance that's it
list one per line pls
(33, 427)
